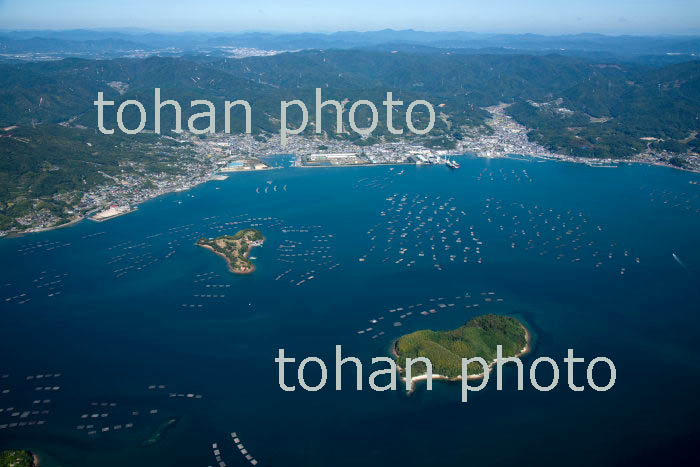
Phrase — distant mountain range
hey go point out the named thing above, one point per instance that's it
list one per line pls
(120, 42)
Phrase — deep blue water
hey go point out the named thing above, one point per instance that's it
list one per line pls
(114, 308)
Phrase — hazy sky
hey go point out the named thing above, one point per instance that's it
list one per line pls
(540, 16)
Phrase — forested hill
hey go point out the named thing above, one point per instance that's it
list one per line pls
(573, 105)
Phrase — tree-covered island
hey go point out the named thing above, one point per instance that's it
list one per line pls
(235, 248)
(16, 458)
(446, 349)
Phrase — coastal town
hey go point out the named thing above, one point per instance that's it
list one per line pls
(217, 156)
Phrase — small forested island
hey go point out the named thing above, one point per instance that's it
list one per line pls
(235, 248)
(18, 459)
(161, 431)
(446, 349)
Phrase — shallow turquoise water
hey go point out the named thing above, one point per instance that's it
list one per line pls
(118, 325)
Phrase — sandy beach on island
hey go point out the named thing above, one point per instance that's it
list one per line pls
(525, 350)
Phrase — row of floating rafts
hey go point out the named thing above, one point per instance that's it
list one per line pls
(13, 412)
(29, 423)
(41, 247)
(430, 309)
(185, 396)
(217, 455)
(43, 376)
(47, 388)
(96, 234)
(241, 448)
(92, 431)
(283, 274)
(207, 276)
(95, 415)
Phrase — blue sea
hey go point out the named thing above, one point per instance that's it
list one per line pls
(110, 330)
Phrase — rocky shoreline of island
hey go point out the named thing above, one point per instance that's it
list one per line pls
(248, 270)
(235, 249)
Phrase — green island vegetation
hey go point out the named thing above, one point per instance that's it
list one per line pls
(16, 459)
(446, 349)
(235, 248)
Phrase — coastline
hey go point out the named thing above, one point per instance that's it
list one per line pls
(378, 164)
(86, 215)
(525, 350)
(591, 162)
(595, 163)
(103, 219)
(230, 266)
(70, 223)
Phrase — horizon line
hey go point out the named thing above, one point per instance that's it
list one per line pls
(136, 31)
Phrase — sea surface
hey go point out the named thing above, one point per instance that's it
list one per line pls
(110, 330)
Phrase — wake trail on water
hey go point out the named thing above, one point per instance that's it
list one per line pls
(682, 264)
(678, 260)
